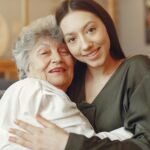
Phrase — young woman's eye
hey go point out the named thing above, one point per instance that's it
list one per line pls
(71, 40)
(91, 30)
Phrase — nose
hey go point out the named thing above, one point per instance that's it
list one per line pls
(55, 57)
(85, 43)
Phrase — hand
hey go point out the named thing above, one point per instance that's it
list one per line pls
(36, 138)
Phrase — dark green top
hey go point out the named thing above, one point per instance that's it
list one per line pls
(124, 101)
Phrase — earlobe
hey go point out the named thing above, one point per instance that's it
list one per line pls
(28, 69)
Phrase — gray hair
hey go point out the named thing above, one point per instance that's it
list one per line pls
(28, 37)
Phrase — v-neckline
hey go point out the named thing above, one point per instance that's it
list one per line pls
(105, 86)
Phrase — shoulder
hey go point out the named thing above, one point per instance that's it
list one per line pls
(27, 84)
(14, 89)
(30, 81)
(138, 63)
(137, 68)
(139, 60)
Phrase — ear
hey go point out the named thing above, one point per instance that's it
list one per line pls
(28, 69)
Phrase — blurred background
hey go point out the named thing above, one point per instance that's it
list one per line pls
(131, 17)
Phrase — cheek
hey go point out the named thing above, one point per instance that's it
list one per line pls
(107, 42)
(37, 71)
(70, 64)
(70, 73)
(43, 62)
(39, 65)
(74, 49)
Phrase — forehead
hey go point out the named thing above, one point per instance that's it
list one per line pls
(48, 41)
(44, 43)
(76, 20)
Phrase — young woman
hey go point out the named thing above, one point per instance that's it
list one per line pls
(111, 90)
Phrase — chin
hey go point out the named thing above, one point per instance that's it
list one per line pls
(95, 64)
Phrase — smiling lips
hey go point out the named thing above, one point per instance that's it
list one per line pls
(92, 54)
(57, 70)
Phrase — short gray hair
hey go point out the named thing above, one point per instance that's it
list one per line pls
(28, 37)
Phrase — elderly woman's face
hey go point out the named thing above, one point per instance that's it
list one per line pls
(50, 60)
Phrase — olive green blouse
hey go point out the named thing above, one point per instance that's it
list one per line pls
(124, 101)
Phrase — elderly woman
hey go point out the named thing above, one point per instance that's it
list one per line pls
(47, 66)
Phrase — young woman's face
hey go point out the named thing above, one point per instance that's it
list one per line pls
(86, 37)
(50, 60)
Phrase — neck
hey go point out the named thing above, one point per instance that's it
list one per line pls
(96, 78)
(107, 69)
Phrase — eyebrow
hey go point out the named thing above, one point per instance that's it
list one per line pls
(70, 34)
(41, 46)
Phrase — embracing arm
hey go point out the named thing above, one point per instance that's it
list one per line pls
(137, 120)
(49, 137)
(56, 138)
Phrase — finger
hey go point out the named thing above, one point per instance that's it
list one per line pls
(26, 126)
(44, 122)
(20, 141)
(22, 134)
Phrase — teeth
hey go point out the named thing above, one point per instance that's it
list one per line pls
(92, 54)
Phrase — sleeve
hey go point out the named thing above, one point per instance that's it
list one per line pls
(9, 108)
(117, 134)
(79, 142)
(137, 117)
(20, 101)
(137, 120)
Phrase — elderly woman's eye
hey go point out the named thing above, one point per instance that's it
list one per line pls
(64, 51)
(44, 52)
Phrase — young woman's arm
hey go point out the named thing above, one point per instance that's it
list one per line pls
(49, 137)
(56, 138)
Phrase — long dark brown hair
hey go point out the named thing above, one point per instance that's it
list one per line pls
(115, 49)
(95, 8)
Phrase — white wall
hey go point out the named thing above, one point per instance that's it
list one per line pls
(11, 11)
(131, 15)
